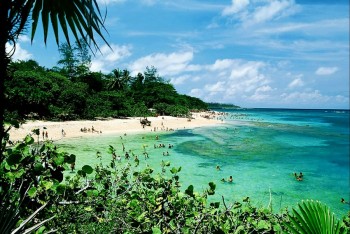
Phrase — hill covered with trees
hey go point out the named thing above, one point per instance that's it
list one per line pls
(71, 91)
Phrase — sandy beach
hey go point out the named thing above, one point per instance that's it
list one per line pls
(69, 129)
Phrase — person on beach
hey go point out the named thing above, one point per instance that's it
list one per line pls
(46, 135)
(43, 133)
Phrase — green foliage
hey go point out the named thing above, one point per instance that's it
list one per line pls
(121, 198)
(30, 177)
(33, 91)
(313, 217)
(215, 105)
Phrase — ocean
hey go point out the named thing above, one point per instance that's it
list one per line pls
(260, 148)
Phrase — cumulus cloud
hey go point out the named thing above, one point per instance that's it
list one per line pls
(197, 93)
(236, 6)
(233, 79)
(105, 61)
(19, 52)
(179, 80)
(23, 38)
(166, 64)
(325, 71)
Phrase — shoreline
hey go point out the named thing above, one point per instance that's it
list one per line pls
(54, 130)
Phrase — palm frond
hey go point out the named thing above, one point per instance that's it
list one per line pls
(76, 18)
(313, 217)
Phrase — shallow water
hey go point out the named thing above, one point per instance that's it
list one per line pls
(260, 148)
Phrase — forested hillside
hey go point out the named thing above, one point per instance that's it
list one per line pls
(72, 91)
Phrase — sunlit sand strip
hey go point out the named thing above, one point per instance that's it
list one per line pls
(70, 129)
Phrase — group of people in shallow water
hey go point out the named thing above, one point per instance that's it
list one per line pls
(230, 179)
(299, 177)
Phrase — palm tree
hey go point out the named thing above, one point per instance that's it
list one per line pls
(126, 77)
(120, 80)
(80, 18)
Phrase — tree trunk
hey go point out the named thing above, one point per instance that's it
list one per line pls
(4, 61)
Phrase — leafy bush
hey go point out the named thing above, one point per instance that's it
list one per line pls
(121, 198)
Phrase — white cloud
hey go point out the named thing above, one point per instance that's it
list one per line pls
(274, 9)
(259, 11)
(23, 38)
(232, 79)
(325, 71)
(314, 97)
(236, 6)
(180, 80)
(166, 64)
(19, 52)
(197, 93)
(298, 82)
(342, 99)
(105, 61)
(264, 88)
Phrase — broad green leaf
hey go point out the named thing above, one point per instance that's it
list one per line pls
(36, 131)
(40, 230)
(47, 184)
(60, 188)
(189, 190)
(59, 160)
(87, 169)
(156, 230)
(14, 158)
(32, 192)
(29, 140)
(81, 173)
(173, 170)
(70, 158)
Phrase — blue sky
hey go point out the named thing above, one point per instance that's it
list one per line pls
(252, 53)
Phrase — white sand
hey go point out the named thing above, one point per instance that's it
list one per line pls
(114, 126)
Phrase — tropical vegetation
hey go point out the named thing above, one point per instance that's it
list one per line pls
(73, 92)
(37, 191)
(122, 197)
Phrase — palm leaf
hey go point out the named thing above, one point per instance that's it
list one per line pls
(313, 217)
(81, 18)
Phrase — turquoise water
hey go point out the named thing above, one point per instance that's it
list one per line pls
(260, 148)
